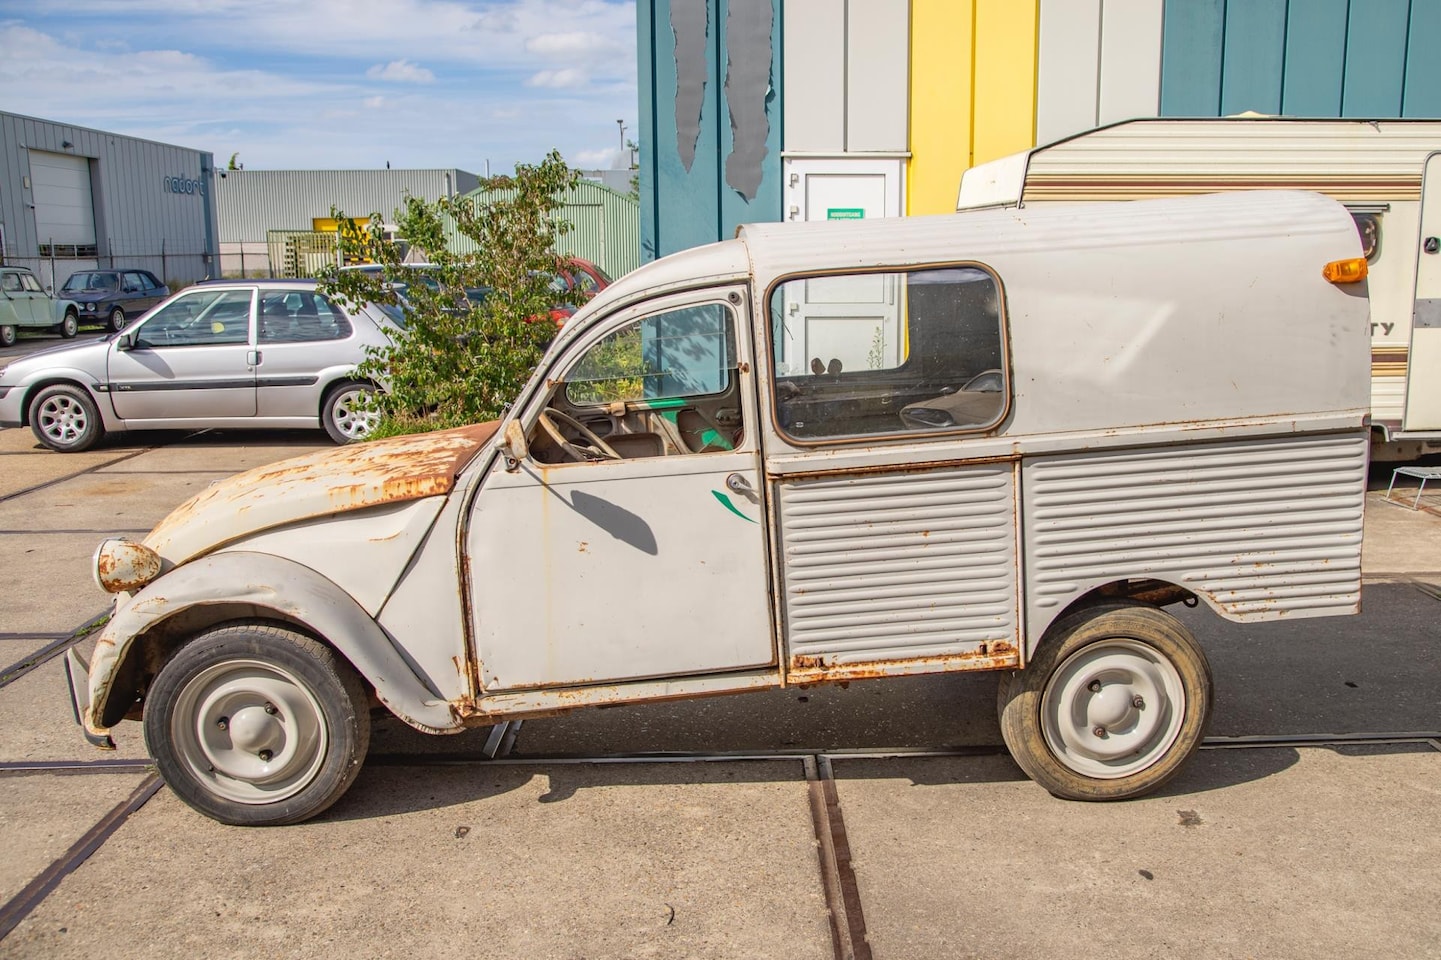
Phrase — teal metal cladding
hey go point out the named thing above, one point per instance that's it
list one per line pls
(705, 171)
(1305, 58)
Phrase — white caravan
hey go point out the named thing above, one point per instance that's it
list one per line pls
(1064, 439)
(1386, 172)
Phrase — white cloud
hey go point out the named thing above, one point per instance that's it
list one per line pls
(400, 71)
(596, 159)
(183, 83)
(559, 79)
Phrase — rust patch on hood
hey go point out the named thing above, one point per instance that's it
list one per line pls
(319, 484)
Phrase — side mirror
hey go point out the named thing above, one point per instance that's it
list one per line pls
(125, 342)
(514, 446)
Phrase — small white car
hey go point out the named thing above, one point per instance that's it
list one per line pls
(248, 354)
(815, 453)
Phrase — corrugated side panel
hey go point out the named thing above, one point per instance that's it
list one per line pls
(899, 566)
(1264, 528)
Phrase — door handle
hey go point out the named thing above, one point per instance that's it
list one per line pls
(253, 358)
(739, 484)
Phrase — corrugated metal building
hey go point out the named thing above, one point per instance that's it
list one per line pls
(73, 198)
(253, 204)
(805, 109)
(607, 227)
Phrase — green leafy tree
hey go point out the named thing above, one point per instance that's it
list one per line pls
(479, 319)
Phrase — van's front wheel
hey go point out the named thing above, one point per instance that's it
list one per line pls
(1114, 702)
(253, 724)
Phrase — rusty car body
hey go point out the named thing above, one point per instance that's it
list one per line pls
(819, 452)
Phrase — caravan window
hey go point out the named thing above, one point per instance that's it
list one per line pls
(877, 354)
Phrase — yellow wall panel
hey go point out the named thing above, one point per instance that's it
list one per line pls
(941, 44)
(1005, 78)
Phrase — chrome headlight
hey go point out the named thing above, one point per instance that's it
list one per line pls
(123, 566)
(90, 308)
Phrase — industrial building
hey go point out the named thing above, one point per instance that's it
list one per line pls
(763, 110)
(281, 222)
(73, 198)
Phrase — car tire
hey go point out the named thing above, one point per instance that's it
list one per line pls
(69, 325)
(343, 415)
(63, 417)
(7, 336)
(1114, 702)
(255, 724)
(116, 321)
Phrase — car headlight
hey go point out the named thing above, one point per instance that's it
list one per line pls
(90, 308)
(123, 566)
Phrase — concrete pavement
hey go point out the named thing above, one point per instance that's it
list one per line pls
(1281, 852)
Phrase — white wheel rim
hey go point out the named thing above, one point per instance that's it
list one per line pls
(117, 319)
(63, 419)
(1113, 708)
(249, 731)
(350, 417)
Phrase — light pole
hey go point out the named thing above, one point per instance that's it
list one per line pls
(620, 157)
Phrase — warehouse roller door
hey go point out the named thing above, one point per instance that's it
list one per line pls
(64, 210)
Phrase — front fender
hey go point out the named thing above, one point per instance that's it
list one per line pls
(288, 588)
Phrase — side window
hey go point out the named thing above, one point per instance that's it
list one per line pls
(31, 283)
(150, 282)
(132, 283)
(300, 316)
(670, 356)
(10, 282)
(204, 318)
(888, 354)
(584, 282)
(663, 385)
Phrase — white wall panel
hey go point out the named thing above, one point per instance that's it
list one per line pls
(1130, 60)
(814, 63)
(878, 55)
(1070, 51)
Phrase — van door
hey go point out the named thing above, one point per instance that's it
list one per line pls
(631, 541)
(897, 543)
(1423, 363)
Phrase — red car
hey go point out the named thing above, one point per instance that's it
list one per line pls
(573, 273)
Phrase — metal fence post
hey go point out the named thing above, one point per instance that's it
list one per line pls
(164, 269)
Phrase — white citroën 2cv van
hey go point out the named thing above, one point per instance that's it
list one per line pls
(818, 452)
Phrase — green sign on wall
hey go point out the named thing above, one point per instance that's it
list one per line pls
(845, 213)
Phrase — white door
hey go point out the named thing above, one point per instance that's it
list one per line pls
(851, 323)
(587, 568)
(1423, 365)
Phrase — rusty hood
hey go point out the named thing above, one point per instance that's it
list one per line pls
(319, 484)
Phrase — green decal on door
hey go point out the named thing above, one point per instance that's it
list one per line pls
(725, 501)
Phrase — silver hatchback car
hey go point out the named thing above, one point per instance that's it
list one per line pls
(267, 353)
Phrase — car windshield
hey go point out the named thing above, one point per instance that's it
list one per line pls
(90, 281)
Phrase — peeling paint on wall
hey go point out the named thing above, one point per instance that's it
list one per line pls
(688, 22)
(747, 89)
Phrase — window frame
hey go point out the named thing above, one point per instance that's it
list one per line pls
(733, 328)
(139, 342)
(902, 434)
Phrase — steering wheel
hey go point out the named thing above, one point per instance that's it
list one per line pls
(598, 449)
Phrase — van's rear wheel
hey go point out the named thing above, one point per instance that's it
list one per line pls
(1114, 702)
(253, 724)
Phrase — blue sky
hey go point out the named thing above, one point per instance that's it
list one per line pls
(333, 84)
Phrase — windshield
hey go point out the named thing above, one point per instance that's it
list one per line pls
(90, 281)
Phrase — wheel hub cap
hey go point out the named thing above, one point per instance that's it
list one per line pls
(250, 731)
(1112, 709)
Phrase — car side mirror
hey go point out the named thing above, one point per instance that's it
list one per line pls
(125, 342)
(515, 447)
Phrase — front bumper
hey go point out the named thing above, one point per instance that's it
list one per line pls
(77, 675)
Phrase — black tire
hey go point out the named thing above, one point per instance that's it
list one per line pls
(344, 421)
(65, 418)
(116, 321)
(7, 336)
(1133, 671)
(228, 750)
(69, 325)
